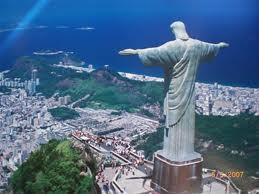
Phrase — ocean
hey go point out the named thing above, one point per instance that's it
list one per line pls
(100, 46)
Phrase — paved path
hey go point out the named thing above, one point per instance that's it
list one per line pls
(134, 183)
(214, 188)
(109, 174)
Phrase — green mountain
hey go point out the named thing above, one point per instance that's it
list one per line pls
(103, 85)
(55, 168)
(52, 79)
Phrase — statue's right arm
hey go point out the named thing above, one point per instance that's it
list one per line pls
(129, 52)
(148, 56)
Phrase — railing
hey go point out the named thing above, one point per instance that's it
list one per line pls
(120, 157)
(116, 184)
(224, 182)
(137, 156)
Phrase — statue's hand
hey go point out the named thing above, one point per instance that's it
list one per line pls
(223, 45)
(128, 52)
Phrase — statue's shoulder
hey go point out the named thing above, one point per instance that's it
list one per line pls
(193, 41)
(172, 43)
(183, 42)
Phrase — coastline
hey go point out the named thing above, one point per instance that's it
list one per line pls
(133, 76)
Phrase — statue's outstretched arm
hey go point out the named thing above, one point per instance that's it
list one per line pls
(223, 45)
(210, 50)
(156, 56)
(129, 52)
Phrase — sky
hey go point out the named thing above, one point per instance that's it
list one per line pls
(145, 23)
(234, 10)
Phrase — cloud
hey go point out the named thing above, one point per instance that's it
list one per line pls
(12, 29)
(85, 28)
(22, 28)
(41, 27)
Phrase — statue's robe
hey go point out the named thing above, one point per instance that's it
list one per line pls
(180, 60)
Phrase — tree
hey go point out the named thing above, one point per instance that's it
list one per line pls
(85, 186)
(54, 169)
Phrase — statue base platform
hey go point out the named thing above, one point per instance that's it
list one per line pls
(173, 177)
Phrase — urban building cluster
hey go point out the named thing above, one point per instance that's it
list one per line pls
(25, 124)
(216, 99)
(64, 100)
(28, 85)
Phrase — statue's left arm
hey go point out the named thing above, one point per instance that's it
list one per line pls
(151, 57)
(162, 56)
(148, 56)
(209, 50)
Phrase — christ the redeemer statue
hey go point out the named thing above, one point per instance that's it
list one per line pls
(179, 59)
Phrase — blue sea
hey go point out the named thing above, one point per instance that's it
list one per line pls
(141, 28)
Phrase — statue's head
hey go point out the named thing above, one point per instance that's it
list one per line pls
(178, 28)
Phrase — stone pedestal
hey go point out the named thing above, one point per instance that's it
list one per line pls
(171, 177)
